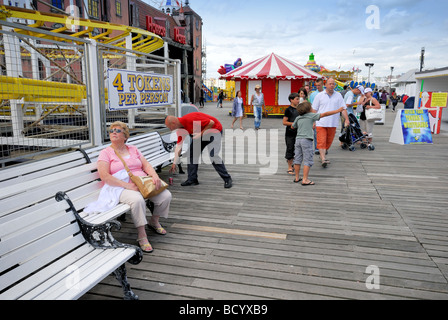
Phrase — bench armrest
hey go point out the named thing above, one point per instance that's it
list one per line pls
(169, 146)
(100, 236)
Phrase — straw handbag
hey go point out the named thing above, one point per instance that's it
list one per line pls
(145, 185)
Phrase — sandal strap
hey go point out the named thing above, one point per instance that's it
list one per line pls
(145, 247)
(159, 230)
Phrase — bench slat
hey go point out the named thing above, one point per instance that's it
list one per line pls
(43, 258)
(24, 225)
(88, 274)
(39, 168)
(88, 190)
(43, 173)
(52, 178)
(108, 215)
(138, 141)
(43, 279)
(26, 210)
(23, 247)
(44, 192)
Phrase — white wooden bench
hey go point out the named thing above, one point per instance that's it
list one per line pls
(28, 191)
(48, 252)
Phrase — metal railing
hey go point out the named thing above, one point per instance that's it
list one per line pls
(53, 92)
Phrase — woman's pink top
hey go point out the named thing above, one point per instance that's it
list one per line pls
(133, 161)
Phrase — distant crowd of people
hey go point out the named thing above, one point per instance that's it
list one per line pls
(312, 119)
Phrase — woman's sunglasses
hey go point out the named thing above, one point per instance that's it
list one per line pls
(115, 130)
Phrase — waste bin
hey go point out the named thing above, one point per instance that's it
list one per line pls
(410, 102)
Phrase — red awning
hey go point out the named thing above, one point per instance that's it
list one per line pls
(272, 67)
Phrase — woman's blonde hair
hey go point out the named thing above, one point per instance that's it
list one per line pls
(123, 126)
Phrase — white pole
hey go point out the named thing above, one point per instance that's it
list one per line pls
(179, 86)
(13, 62)
(131, 66)
(95, 102)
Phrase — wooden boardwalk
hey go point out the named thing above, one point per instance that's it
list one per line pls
(268, 238)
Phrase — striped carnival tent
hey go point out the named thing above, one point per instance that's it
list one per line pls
(272, 67)
(277, 76)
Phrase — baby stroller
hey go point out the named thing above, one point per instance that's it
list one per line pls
(353, 134)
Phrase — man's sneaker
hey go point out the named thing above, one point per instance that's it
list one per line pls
(228, 183)
(190, 183)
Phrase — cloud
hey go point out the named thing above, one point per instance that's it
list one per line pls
(397, 22)
(334, 23)
(389, 4)
(335, 32)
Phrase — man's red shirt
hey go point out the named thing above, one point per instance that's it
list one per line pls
(196, 122)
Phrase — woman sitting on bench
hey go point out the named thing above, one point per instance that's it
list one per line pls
(113, 173)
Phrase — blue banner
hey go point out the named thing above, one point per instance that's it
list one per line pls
(416, 127)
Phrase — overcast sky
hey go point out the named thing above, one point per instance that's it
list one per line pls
(341, 34)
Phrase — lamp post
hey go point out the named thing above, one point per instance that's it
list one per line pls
(422, 59)
(369, 65)
(390, 80)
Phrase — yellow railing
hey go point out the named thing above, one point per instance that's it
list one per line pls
(143, 41)
(40, 90)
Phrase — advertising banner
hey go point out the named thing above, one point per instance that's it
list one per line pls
(133, 89)
(435, 102)
(439, 99)
(412, 127)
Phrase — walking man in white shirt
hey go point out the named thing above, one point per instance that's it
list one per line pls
(328, 100)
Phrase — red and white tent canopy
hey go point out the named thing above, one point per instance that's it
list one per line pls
(272, 67)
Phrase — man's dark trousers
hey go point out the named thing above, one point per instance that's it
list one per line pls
(214, 150)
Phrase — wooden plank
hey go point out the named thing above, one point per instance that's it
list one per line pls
(246, 233)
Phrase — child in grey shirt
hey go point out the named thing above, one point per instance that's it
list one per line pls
(304, 147)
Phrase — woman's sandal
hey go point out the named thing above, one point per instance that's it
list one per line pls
(147, 248)
(160, 230)
(295, 181)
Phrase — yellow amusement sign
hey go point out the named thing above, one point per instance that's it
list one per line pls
(439, 99)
